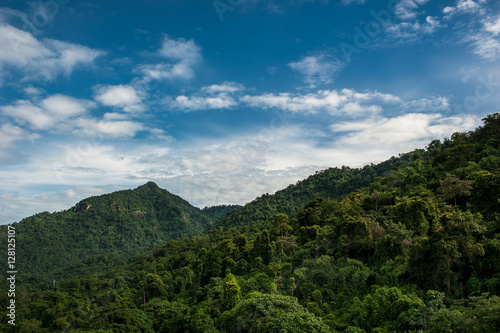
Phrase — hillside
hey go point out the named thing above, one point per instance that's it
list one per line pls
(122, 222)
(415, 250)
(329, 183)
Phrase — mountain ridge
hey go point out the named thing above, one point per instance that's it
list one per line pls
(121, 222)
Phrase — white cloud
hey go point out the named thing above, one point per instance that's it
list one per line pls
(122, 96)
(486, 42)
(210, 97)
(317, 69)
(408, 9)
(51, 113)
(64, 107)
(163, 71)
(407, 32)
(493, 26)
(33, 91)
(432, 104)
(309, 103)
(221, 101)
(11, 133)
(402, 133)
(463, 7)
(44, 59)
(62, 114)
(486, 47)
(346, 101)
(109, 128)
(183, 55)
(23, 112)
(225, 87)
(180, 50)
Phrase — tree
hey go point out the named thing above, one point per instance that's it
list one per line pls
(263, 247)
(453, 187)
(271, 314)
(232, 292)
(281, 227)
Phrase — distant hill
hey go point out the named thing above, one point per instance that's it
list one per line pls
(122, 222)
(330, 183)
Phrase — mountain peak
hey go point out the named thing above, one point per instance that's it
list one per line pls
(151, 185)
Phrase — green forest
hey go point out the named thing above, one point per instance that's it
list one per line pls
(408, 245)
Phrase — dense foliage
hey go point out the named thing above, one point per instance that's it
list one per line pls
(215, 213)
(413, 250)
(122, 222)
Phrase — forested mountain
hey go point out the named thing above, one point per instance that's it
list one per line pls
(413, 248)
(122, 222)
(330, 183)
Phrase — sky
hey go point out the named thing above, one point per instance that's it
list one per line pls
(222, 101)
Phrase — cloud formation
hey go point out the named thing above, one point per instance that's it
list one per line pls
(318, 69)
(44, 59)
(53, 112)
(178, 57)
(121, 96)
(210, 97)
(64, 114)
(340, 102)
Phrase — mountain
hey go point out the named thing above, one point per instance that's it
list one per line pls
(414, 250)
(329, 183)
(123, 222)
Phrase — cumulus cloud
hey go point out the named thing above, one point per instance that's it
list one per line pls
(52, 112)
(63, 114)
(122, 96)
(401, 133)
(180, 57)
(210, 97)
(180, 50)
(44, 59)
(25, 113)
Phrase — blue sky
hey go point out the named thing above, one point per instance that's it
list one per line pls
(222, 101)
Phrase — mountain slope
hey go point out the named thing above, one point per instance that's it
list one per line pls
(122, 222)
(414, 251)
(330, 183)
